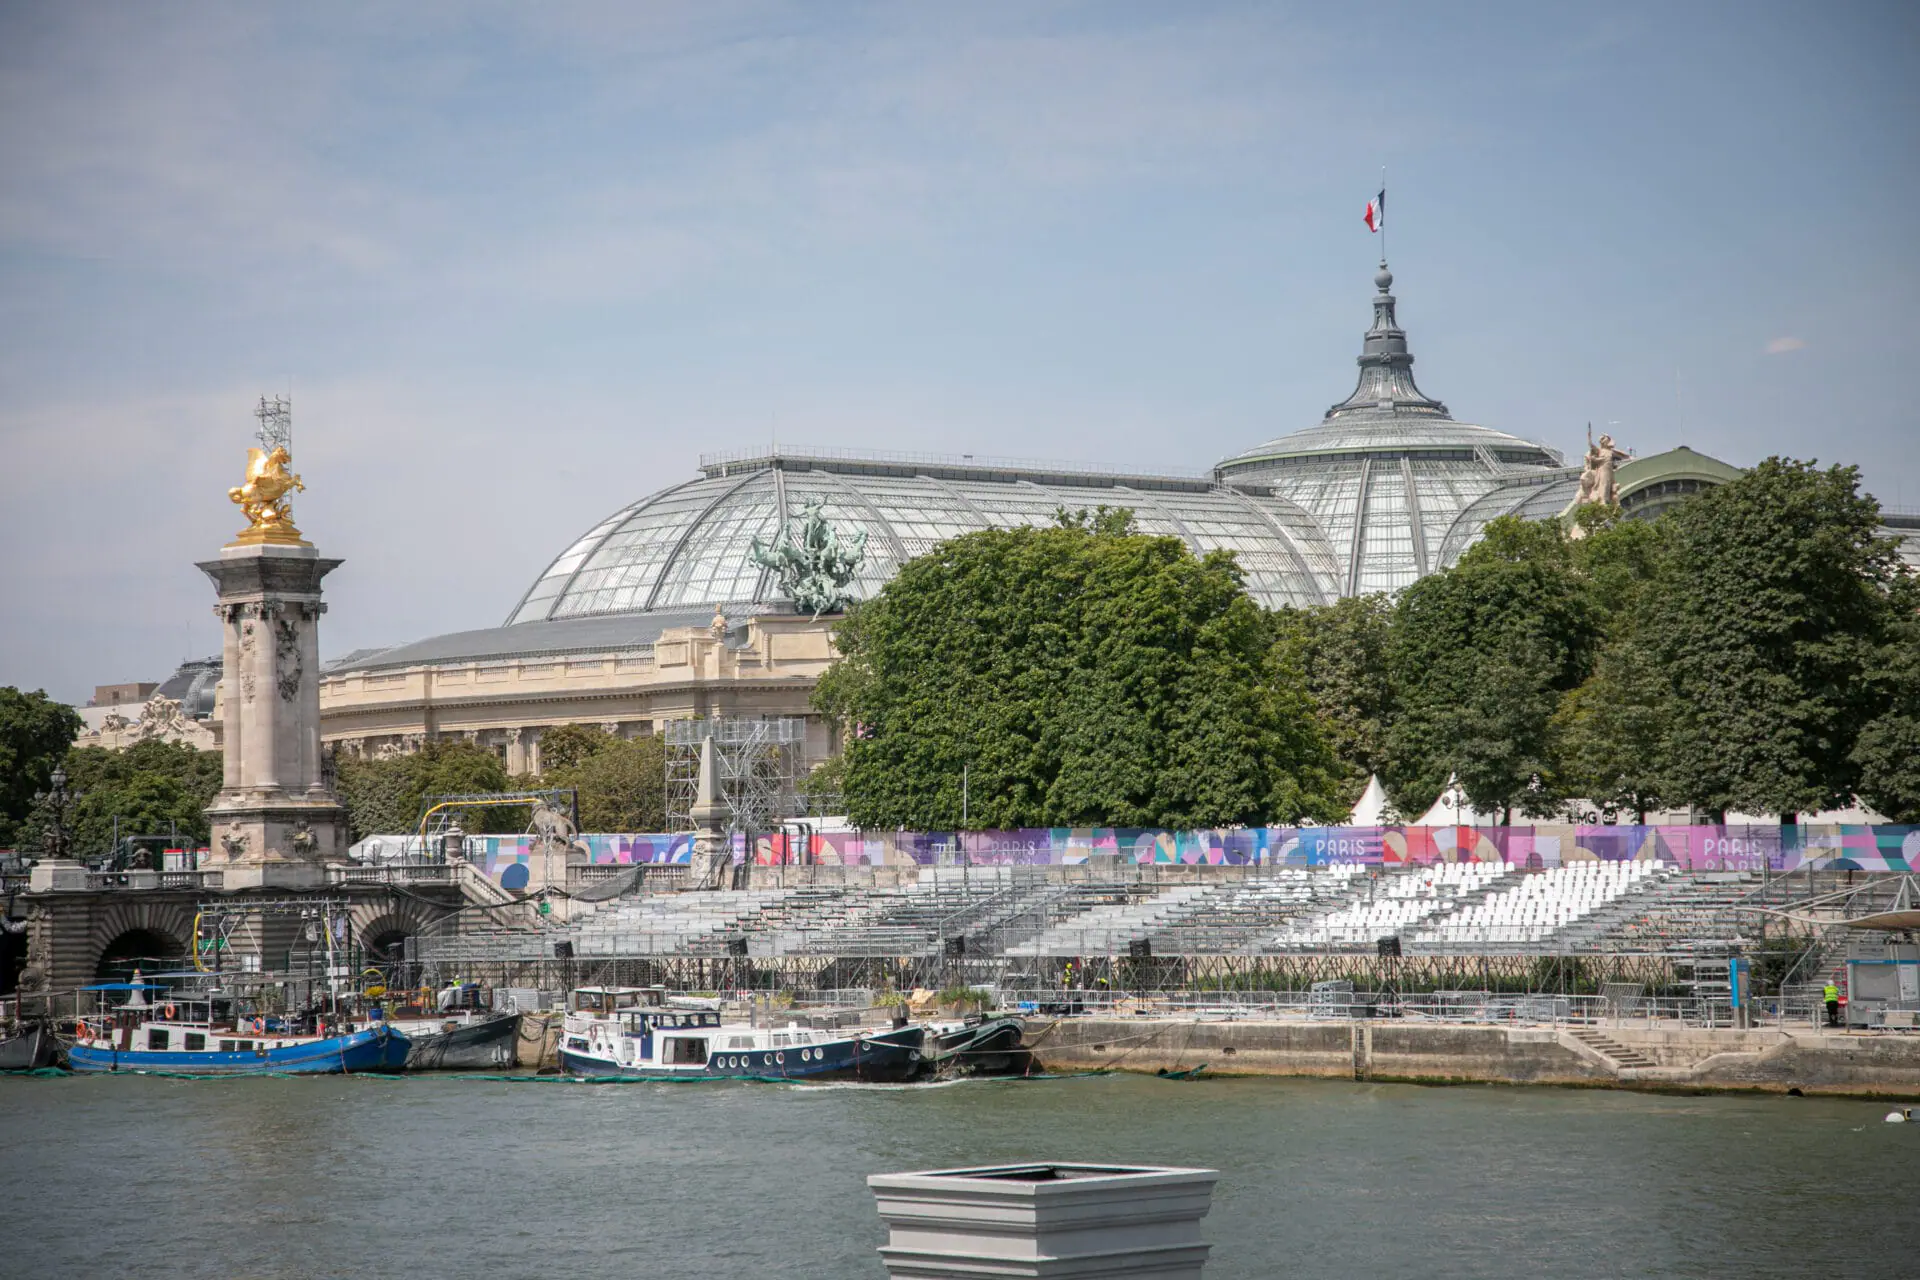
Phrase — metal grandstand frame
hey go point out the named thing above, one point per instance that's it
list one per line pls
(759, 762)
(819, 944)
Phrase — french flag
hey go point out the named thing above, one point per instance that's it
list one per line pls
(1377, 211)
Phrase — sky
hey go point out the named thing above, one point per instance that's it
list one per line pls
(520, 265)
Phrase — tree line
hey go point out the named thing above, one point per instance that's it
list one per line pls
(1756, 649)
(156, 789)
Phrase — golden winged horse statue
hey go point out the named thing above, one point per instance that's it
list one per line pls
(264, 497)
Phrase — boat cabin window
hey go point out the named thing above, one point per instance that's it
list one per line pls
(226, 1046)
(781, 1042)
(246, 1046)
(576, 1042)
(195, 1041)
(740, 1042)
(156, 1038)
(686, 1051)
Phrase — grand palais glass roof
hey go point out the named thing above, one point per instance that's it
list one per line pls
(686, 548)
(1364, 500)
(1386, 488)
(1387, 472)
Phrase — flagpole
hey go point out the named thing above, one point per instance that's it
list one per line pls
(1383, 214)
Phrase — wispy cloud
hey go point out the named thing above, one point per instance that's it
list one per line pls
(1780, 346)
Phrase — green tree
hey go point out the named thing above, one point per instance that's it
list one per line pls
(564, 746)
(1611, 734)
(35, 732)
(1481, 654)
(1342, 652)
(153, 788)
(1887, 752)
(1771, 616)
(1079, 675)
(621, 785)
(385, 797)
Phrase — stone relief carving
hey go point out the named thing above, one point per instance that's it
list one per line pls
(288, 666)
(234, 841)
(303, 840)
(247, 646)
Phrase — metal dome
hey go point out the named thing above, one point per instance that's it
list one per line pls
(1386, 472)
(686, 547)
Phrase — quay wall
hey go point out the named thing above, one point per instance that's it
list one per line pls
(1611, 1057)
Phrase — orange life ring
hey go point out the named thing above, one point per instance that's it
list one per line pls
(168, 1011)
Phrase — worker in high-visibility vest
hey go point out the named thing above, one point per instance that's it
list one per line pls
(1832, 997)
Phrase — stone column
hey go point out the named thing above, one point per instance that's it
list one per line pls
(275, 821)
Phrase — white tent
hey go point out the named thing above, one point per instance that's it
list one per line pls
(1372, 806)
(1452, 810)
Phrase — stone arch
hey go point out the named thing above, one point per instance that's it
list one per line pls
(147, 935)
(377, 925)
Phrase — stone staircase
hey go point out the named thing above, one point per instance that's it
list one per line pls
(1620, 1056)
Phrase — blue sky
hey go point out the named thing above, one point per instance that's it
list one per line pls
(521, 264)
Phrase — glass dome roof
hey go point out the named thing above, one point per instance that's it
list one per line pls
(686, 548)
(1387, 472)
(1387, 488)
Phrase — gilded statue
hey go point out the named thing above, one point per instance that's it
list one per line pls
(264, 497)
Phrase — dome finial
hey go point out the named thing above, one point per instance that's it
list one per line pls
(1383, 278)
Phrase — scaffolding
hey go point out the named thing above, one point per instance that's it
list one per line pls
(758, 762)
(276, 424)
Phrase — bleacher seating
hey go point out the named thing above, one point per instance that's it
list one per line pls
(1397, 902)
(1439, 909)
(1535, 909)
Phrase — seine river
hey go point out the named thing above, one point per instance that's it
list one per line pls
(438, 1176)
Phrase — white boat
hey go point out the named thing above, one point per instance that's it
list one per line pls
(637, 1033)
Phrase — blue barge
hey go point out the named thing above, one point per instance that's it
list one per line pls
(201, 1035)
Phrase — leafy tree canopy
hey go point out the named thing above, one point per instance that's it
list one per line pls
(1079, 675)
(1772, 616)
(564, 746)
(1480, 655)
(1887, 752)
(153, 788)
(35, 732)
(621, 784)
(1341, 650)
(384, 797)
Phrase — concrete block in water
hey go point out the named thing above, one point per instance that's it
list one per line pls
(1051, 1219)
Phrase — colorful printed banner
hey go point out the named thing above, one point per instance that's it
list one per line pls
(1703, 848)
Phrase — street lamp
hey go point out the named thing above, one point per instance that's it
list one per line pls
(56, 840)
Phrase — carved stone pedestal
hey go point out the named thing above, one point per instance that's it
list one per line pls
(275, 821)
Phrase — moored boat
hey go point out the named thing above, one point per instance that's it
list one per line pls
(204, 1034)
(635, 1033)
(978, 1046)
(464, 1035)
(28, 1046)
(476, 1042)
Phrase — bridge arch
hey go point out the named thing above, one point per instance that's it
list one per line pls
(150, 936)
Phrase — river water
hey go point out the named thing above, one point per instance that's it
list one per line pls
(443, 1176)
